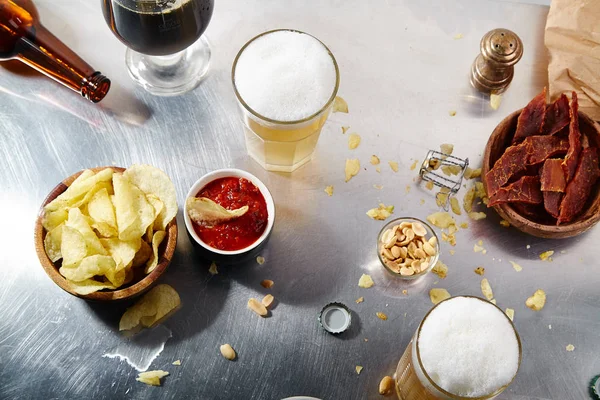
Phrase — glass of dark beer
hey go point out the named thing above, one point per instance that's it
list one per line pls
(166, 52)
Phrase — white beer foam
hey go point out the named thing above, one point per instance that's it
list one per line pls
(468, 347)
(285, 75)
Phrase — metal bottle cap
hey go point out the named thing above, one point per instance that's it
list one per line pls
(493, 69)
(335, 318)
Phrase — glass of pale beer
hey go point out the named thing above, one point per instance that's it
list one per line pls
(285, 82)
(465, 348)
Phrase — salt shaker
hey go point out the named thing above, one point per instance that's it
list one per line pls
(493, 69)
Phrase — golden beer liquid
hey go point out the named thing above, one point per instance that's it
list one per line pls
(283, 147)
(408, 384)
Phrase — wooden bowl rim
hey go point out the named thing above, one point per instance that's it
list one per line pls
(119, 294)
(507, 212)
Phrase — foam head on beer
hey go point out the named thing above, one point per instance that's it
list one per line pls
(285, 75)
(468, 347)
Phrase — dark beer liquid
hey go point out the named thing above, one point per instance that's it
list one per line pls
(158, 27)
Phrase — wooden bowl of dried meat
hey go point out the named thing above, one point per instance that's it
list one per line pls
(540, 169)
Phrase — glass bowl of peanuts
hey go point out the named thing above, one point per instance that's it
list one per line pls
(408, 247)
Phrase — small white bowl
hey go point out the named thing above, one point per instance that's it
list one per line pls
(233, 256)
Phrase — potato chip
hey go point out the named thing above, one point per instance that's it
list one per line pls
(516, 266)
(479, 270)
(156, 203)
(213, 269)
(345, 129)
(134, 213)
(329, 190)
(101, 210)
(207, 213)
(79, 222)
(429, 185)
(151, 377)
(472, 173)
(353, 141)
(510, 313)
(352, 168)
(73, 247)
(340, 105)
(79, 189)
(452, 113)
(486, 289)
(375, 160)
(122, 251)
(381, 213)
(570, 347)
(441, 219)
(142, 255)
(447, 148)
(468, 200)
(414, 165)
(176, 362)
(88, 195)
(88, 268)
(153, 307)
(476, 216)
(52, 219)
(358, 368)
(393, 165)
(53, 242)
(451, 170)
(153, 181)
(437, 295)
(89, 286)
(495, 101)
(365, 281)
(440, 269)
(547, 255)
(381, 316)
(156, 241)
(359, 300)
(537, 301)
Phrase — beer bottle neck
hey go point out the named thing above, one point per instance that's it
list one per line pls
(44, 52)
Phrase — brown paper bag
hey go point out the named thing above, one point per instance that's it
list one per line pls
(573, 42)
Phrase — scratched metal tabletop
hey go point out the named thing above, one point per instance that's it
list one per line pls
(402, 72)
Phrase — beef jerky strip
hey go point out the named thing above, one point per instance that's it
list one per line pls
(531, 119)
(557, 116)
(572, 158)
(552, 203)
(534, 150)
(525, 190)
(552, 176)
(580, 187)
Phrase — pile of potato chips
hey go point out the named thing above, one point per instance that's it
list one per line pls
(108, 224)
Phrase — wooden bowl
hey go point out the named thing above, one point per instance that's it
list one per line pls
(133, 289)
(499, 141)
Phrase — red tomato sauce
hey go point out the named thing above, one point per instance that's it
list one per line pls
(233, 193)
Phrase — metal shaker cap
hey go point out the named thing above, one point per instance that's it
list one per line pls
(501, 46)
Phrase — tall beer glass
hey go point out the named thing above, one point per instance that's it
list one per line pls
(285, 82)
(465, 348)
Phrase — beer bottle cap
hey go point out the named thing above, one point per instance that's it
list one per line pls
(595, 388)
(335, 318)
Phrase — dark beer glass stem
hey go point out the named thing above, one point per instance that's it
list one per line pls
(47, 54)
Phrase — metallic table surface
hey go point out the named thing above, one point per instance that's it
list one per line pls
(402, 72)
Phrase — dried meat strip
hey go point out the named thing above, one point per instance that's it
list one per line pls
(552, 202)
(516, 159)
(572, 158)
(579, 188)
(552, 176)
(525, 190)
(557, 116)
(531, 120)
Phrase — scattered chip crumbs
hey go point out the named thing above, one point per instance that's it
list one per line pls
(484, 251)
(413, 166)
(471, 173)
(213, 269)
(365, 281)
(477, 248)
(378, 169)
(260, 260)
(505, 223)
(464, 225)
(570, 347)
(476, 216)
(422, 201)
(353, 141)
(429, 185)
(447, 148)
(177, 362)
(510, 313)
(366, 340)
(516, 266)
(493, 301)
(151, 377)
(452, 252)
(352, 168)
(340, 105)
(468, 200)
(440, 269)
(375, 160)
(358, 369)
(405, 292)
(479, 270)
(458, 36)
(381, 213)
(381, 316)
(537, 301)
(267, 283)
(441, 199)
(486, 289)
(495, 101)
(528, 246)
(452, 113)
(441, 219)
(393, 165)
(563, 252)
(455, 206)
(480, 242)
(360, 300)
(329, 190)
(378, 187)
(407, 189)
(546, 256)
(438, 294)
(345, 129)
